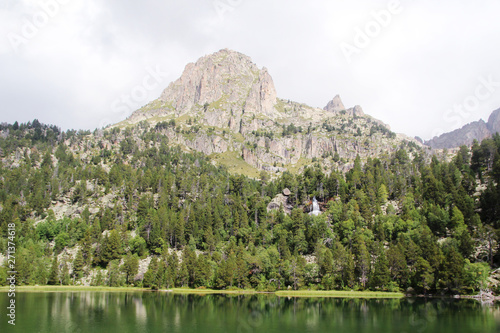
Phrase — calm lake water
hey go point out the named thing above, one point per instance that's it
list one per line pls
(160, 312)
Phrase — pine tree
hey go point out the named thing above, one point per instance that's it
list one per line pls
(382, 194)
(160, 275)
(23, 268)
(149, 280)
(203, 272)
(111, 248)
(172, 268)
(96, 230)
(78, 265)
(189, 261)
(381, 273)
(452, 270)
(209, 240)
(114, 276)
(398, 267)
(229, 271)
(65, 277)
(241, 274)
(183, 278)
(362, 261)
(130, 267)
(220, 275)
(457, 223)
(340, 264)
(424, 275)
(3, 276)
(430, 250)
(54, 273)
(466, 246)
(41, 272)
(297, 264)
(180, 239)
(300, 242)
(86, 243)
(326, 262)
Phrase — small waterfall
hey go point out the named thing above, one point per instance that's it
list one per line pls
(316, 210)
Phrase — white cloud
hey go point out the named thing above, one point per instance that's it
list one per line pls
(89, 53)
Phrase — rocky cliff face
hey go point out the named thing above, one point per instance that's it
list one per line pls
(224, 86)
(494, 122)
(226, 106)
(335, 105)
(477, 130)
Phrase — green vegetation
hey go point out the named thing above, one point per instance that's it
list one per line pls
(235, 164)
(204, 291)
(301, 163)
(381, 129)
(156, 104)
(291, 129)
(336, 293)
(280, 105)
(218, 104)
(91, 208)
(62, 289)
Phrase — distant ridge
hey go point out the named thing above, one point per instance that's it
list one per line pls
(227, 107)
(477, 130)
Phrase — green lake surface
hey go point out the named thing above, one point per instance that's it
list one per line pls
(90, 311)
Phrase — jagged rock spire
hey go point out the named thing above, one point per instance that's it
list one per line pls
(227, 78)
(335, 105)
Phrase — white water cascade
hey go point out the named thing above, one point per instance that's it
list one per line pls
(316, 210)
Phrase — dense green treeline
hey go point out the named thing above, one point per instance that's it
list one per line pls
(409, 221)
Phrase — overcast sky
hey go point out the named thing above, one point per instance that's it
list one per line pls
(423, 67)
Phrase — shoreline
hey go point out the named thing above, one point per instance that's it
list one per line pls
(338, 294)
(279, 293)
(55, 289)
(180, 291)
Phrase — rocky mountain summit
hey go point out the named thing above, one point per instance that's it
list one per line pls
(225, 81)
(225, 106)
(335, 105)
(477, 130)
(494, 122)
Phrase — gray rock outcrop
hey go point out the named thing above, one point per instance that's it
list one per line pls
(223, 104)
(494, 122)
(227, 80)
(335, 105)
(477, 130)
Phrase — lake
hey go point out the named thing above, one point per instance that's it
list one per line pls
(89, 311)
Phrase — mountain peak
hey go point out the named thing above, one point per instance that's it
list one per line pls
(357, 111)
(476, 130)
(494, 122)
(335, 105)
(224, 105)
(227, 78)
